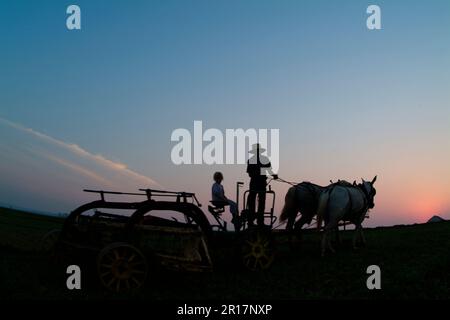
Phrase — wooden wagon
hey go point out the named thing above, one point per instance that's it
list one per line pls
(127, 246)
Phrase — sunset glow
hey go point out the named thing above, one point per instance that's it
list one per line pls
(96, 108)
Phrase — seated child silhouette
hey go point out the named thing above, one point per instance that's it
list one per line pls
(218, 194)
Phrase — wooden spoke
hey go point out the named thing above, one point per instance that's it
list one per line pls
(255, 262)
(110, 283)
(122, 267)
(263, 266)
(257, 251)
(247, 261)
(250, 254)
(136, 281)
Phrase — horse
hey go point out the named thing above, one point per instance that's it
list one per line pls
(345, 203)
(303, 198)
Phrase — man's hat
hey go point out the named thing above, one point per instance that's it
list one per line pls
(256, 148)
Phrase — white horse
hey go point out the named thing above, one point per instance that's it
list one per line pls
(345, 202)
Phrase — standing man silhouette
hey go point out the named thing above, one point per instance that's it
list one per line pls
(258, 166)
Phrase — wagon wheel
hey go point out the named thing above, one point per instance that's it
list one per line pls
(122, 267)
(257, 250)
(48, 242)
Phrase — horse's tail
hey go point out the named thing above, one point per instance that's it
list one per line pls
(322, 207)
(289, 204)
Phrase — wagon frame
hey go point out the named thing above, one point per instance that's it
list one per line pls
(127, 247)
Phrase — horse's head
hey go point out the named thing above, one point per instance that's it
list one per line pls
(369, 190)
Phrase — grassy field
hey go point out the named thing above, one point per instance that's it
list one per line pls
(414, 262)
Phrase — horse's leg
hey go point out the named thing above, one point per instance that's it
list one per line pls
(330, 245)
(332, 225)
(338, 237)
(290, 228)
(324, 242)
(299, 225)
(363, 238)
(291, 220)
(355, 236)
(324, 239)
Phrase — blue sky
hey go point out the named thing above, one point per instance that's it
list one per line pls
(349, 102)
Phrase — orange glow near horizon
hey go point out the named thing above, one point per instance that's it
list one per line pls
(427, 206)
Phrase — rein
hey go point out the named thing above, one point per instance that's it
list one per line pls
(288, 182)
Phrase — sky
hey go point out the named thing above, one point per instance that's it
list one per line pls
(95, 108)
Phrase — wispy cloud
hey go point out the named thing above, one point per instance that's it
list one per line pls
(77, 150)
(49, 173)
(78, 169)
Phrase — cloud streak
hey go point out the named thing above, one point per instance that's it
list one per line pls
(78, 169)
(60, 169)
(75, 149)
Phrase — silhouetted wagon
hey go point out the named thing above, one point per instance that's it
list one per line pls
(128, 239)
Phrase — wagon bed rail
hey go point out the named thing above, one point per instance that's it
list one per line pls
(181, 196)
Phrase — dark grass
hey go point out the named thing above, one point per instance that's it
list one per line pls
(414, 261)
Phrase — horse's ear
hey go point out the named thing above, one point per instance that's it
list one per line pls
(354, 182)
(362, 180)
(374, 179)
